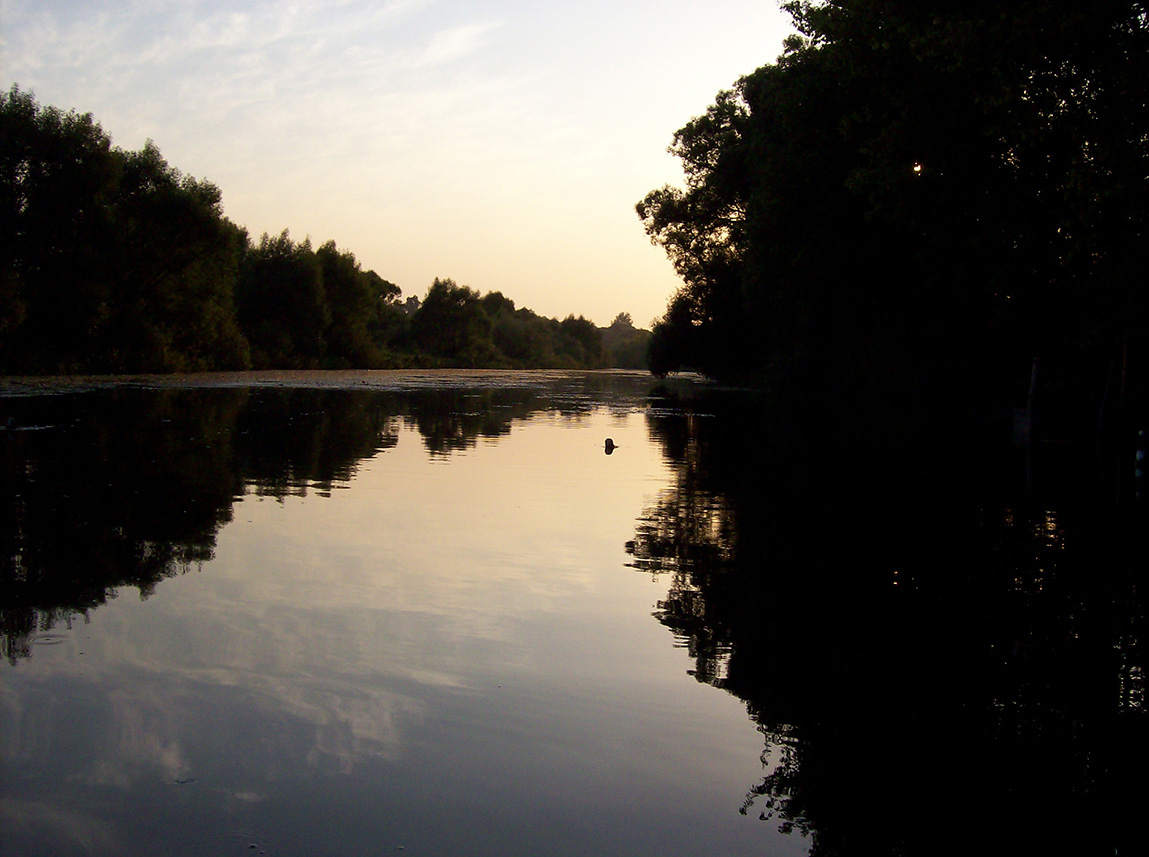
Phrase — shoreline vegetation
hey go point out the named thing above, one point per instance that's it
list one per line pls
(115, 262)
(928, 208)
(942, 204)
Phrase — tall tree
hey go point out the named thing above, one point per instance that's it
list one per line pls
(451, 324)
(178, 258)
(112, 260)
(359, 301)
(282, 304)
(59, 176)
(582, 341)
(911, 187)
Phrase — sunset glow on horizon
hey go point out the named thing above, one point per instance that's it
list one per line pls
(501, 144)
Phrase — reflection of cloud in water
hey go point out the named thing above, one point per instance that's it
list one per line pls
(169, 724)
(25, 820)
(351, 634)
(268, 718)
(319, 633)
(349, 726)
(324, 656)
(144, 735)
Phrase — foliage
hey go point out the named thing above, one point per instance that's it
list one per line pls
(454, 326)
(364, 315)
(625, 345)
(451, 324)
(114, 261)
(58, 176)
(283, 304)
(175, 273)
(582, 341)
(914, 188)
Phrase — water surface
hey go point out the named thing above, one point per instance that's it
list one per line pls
(331, 621)
(353, 613)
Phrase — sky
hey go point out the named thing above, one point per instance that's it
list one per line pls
(501, 143)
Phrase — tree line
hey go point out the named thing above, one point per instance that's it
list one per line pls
(918, 198)
(114, 262)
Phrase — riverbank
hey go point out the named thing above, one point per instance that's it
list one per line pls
(362, 379)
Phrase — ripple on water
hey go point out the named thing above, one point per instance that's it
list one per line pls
(232, 842)
(48, 639)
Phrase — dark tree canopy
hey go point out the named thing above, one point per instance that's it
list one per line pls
(114, 261)
(582, 341)
(914, 188)
(452, 324)
(364, 316)
(283, 303)
(176, 270)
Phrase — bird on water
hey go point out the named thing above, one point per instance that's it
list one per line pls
(611, 446)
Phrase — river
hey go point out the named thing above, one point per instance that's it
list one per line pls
(437, 613)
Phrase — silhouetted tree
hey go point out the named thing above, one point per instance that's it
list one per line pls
(496, 304)
(625, 345)
(363, 315)
(59, 183)
(173, 306)
(282, 304)
(582, 342)
(112, 260)
(388, 324)
(912, 196)
(451, 324)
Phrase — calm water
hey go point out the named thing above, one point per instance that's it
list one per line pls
(430, 613)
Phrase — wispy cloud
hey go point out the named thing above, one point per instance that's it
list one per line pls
(329, 116)
(449, 45)
(298, 66)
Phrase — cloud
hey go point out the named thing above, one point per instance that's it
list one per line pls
(453, 44)
(374, 122)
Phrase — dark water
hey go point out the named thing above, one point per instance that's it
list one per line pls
(433, 615)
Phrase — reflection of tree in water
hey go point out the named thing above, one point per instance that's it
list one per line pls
(123, 490)
(932, 667)
(128, 487)
(453, 420)
(289, 440)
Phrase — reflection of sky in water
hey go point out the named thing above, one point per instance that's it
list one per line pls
(447, 653)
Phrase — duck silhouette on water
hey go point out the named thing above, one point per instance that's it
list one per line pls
(610, 446)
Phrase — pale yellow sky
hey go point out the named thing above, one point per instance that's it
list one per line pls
(501, 143)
